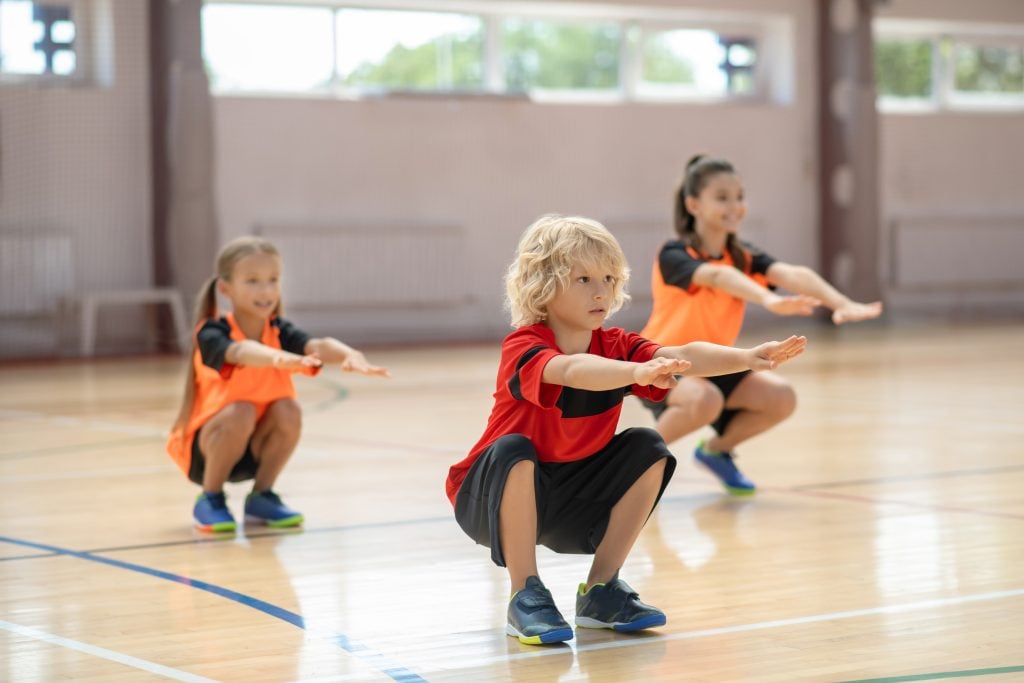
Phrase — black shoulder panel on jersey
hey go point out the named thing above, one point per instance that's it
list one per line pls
(513, 381)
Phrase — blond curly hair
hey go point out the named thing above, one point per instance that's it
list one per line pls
(547, 252)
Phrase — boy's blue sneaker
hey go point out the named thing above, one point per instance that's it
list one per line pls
(211, 513)
(616, 606)
(723, 467)
(266, 507)
(533, 616)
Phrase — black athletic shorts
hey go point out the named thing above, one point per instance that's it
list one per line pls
(243, 470)
(725, 383)
(574, 499)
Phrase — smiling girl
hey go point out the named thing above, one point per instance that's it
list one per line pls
(701, 284)
(240, 419)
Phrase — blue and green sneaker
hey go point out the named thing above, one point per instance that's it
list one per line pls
(266, 507)
(211, 513)
(616, 606)
(723, 466)
(533, 616)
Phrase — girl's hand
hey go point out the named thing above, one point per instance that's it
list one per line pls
(660, 372)
(797, 304)
(294, 362)
(852, 312)
(771, 355)
(356, 362)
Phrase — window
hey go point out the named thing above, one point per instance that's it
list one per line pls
(544, 50)
(696, 62)
(268, 48)
(928, 66)
(560, 55)
(903, 68)
(37, 40)
(410, 50)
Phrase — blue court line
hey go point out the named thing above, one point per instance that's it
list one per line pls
(363, 652)
(253, 536)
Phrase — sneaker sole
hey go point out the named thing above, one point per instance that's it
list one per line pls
(276, 523)
(557, 636)
(218, 528)
(736, 491)
(651, 621)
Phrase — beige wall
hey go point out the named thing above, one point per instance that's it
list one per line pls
(490, 166)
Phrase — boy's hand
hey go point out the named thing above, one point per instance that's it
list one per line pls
(797, 304)
(852, 312)
(356, 362)
(660, 372)
(294, 362)
(771, 355)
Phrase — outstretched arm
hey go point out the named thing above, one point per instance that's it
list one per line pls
(331, 350)
(253, 354)
(804, 280)
(597, 373)
(735, 282)
(708, 360)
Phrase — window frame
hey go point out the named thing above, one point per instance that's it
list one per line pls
(768, 86)
(943, 37)
(78, 12)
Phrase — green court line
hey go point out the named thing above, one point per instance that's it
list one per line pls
(967, 673)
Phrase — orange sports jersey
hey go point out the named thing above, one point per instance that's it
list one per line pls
(219, 383)
(684, 312)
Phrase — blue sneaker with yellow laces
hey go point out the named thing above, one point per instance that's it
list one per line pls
(266, 507)
(211, 513)
(723, 466)
(533, 617)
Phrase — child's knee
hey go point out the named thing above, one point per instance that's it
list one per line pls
(285, 413)
(238, 418)
(785, 402)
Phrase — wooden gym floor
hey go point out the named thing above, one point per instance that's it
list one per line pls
(886, 541)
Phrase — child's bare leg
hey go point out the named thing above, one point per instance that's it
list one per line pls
(763, 400)
(223, 440)
(274, 441)
(692, 404)
(517, 524)
(625, 523)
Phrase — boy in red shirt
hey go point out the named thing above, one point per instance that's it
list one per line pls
(549, 468)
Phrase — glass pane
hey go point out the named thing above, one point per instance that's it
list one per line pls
(64, 62)
(984, 69)
(683, 62)
(19, 33)
(560, 56)
(414, 50)
(742, 55)
(250, 47)
(62, 32)
(903, 68)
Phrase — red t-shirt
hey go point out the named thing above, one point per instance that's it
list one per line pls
(563, 423)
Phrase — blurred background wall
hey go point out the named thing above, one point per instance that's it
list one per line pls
(391, 182)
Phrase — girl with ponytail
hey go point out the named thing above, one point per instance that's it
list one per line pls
(239, 419)
(701, 284)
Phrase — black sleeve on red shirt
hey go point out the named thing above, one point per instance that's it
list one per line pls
(677, 265)
(514, 385)
(213, 340)
(759, 261)
(292, 338)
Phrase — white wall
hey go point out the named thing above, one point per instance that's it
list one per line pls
(76, 161)
(952, 190)
(492, 165)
